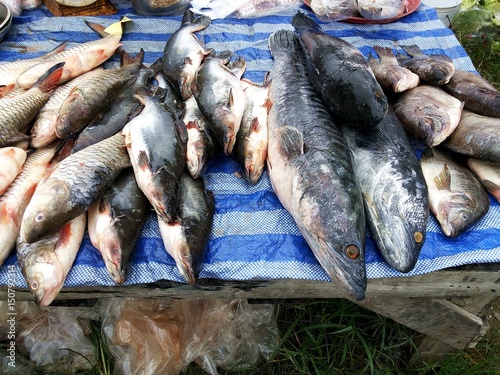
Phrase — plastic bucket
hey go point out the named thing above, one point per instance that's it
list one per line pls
(446, 9)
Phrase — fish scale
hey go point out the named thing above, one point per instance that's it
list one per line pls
(73, 186)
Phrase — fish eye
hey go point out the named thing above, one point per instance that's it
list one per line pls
(419, 237)
(464, 217)
(352, 252)
(39, 217)
(34, 285)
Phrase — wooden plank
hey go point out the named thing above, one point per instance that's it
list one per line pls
(98, 8)
(440, 284)
(436, 318)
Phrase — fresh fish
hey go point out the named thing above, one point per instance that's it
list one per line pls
(428, 113)
(394, 190)
(169, 95)
(456, 197)
(17, 113)
(123, 109)
(391, 76)
(16, 92)
(72, 186)
(10, 71)
(115, 222)
(156, 142)
(183, 53)
(251, 141)
(186, 239)
(478, 94)
(15, 200)
(43, 131)
(46, 263)
(488, 174)
(200, 147)
(221, 98)
(310, 169)
(78, 60)
(381, 9)
(476, 136)
(95, 94)
(435, 70)
(261, 8)
(11, 160)
(341, 75)
(334, 10)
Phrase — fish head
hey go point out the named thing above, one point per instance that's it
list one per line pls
(45, 280)
(255, 154)
(69, 114)
(227, 126)
(164, 195)
(433, 125)
(112, 254)
(43, 130)
(456, 213)
(184, 262)
(43, 213)
(442, 72)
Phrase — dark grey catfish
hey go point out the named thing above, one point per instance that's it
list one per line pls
(186, 239)
(456, 196)
(156, 142)
(310, 169)
(476, 136)
(432, 69)
(122, 109)
(342, 75)
(115, 222)
(478, 94)
(183, 53)
(394, 190)
(72, 187)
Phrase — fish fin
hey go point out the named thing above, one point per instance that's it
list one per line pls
(443, 180)
(19, 137)
(267, 80)
(59, 48)
(127, 59)
(290, 141)
(50, 79)
(490, 185)
(143, 161)
(181, 129)
(413, 50)
(188, 61)
(302, 21)
(283, 40)
(192, 125)
(97, 28)
(210, 198)
(384, 52)
(374, 139)
(255, 126)
(230, 100)
(268, 104)
(200, 22)
(237, 67)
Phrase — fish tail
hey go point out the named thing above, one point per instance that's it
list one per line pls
(383, 51)
(59, 48)
(127, 59)
(198, 23)
(301, 21)
(282, 40)
(50, 79)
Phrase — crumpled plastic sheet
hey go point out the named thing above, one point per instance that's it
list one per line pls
(163, 336)
(53, 338)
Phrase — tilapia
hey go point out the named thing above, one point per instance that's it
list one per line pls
(78, 60)
(11, 160)
(456, 197)
(93, 95)
(432, 69)
(221, 98)
(478, 94)
(17, 113)
(428, 113)
(251, 141)
(156, 142)
(200, 147)
(391, 76)
(123, 109)
(394, 190)
(183, 53)
(186, 239)
(476, 136)
(310, 169)
(46, 263)
(43, 131)
(115, 222)
(15, 200)
(341, 75)
(72, 186)
(488, 174)
(381, 9)
(10, 71)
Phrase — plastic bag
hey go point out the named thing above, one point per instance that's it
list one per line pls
(54, 338)
(152, 336)
(261, 8)
(216, 8)
(334, 10)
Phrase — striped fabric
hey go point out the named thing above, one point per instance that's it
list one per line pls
(253, 236)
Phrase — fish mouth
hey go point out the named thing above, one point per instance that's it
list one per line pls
(187, 272)
(402, 258)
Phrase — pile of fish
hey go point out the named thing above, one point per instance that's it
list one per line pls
(335, 10)
(88, 148)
